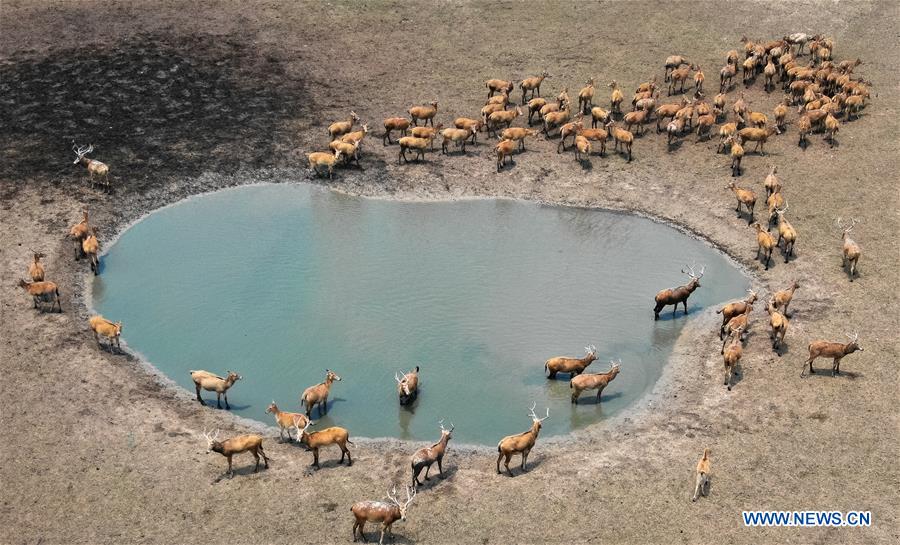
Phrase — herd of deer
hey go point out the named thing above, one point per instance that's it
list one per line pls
(823, 89)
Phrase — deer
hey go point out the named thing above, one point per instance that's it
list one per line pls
(676, 296)
(744, 197)
(586, 97)
(79, 232)
(36, 270)
(42, 292)
(286, 421)
(105, 328)
(593, 381)
(236, 445)
(765, 244)
(407, 386)
(732, 355)
(786, 232)
(779, 325)
(701, 484)
(521, 443)
(323, 438)
(385, 512)
(214, 383)
(572, 366)
(620, 136)
(425, 457)
(319, 394)
(835, 350)
(532, 84)
(782, 298)
(772, 183)
(95, 168)
(735, 308)
(850, 249)
(615, 98)
(741, 321)
(91, 247)
(340, 128)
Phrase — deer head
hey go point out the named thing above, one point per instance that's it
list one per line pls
(331, 376)
(695, 278)
(211, 440)
(402, 382)
(537, 421)
(445, 431)
(81, 152)
(853, 345)
(403, 506)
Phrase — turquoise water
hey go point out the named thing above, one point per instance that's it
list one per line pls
(280, 282)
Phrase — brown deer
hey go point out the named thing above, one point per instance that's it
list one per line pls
(385, 512)
(236, 445)
(779, 325)
(407, 386)
(106, 328)
(521, 443)
(735, 308)
(765, 244)
(94, 167)
(79, 232)
(286, 421)
(732, 355)
(42, 292)
(593, 381)
(573, 366)
(323, 438)
(425, 457)
(782, 298)
(826, 349)
(36, 270)
(740, 322)
(701, 485)
(744, 197)
(319, 394)
(214, 383)
(676, 296)
(850, 249)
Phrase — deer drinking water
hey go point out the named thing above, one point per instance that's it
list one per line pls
(679, 295)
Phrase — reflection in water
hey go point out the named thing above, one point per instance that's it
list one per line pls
(288, 280)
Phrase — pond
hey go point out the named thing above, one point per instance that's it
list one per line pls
(279, 282)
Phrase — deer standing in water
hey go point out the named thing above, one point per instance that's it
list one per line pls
(573, 366)
(676, 296)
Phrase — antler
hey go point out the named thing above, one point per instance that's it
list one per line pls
(853, 338)
(398, 378)
(392, 493)
(531, 411)
(409, 497)
(690, 271)
(590, 349)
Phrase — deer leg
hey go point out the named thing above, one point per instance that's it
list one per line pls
(263, 453)
(440, 468)
(200, 399)
(316, 457)
(218, 400)
(685, 306)
(230, 469)
(836, 368)
(697, 487)
(525, 458)
(225, 394)
(506, 463)
(255, 455)
(499, 457)
(381, 541)
(343, 453)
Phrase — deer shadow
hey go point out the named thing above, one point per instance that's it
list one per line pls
(243, 471)
(434, 479)
(592, 399)
(515, 465)
(586, 165)
(825, 373)
(212, 405)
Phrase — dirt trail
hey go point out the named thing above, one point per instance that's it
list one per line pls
(184, 97)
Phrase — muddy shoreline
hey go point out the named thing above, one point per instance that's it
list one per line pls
(184, 98)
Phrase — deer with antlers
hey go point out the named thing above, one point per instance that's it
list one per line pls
(236, 445)
(573, 366)
(521, 443)
(425, 457)
(851, 250)
(407, 386)
(95, 168)
(385, 512)
(835, 350)
(593, 381)
(676, 296)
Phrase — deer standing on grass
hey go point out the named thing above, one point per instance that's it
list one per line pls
(407, 386)
(286, 421)
(573, 366)
(779, 325)
(214, 383)
(105, 328)
(42, 292)
(323, 438)
(236, 445)
(826, 349)
(735, 308)
(318, 394)
(732, 355)
(95, 168)
(521, 443)
(593, 381)
(387, 513)
(701, 484)
(79, 232)
(782, 298)
(36, 270)
(679, 295)
(425, 457)
(850, 249)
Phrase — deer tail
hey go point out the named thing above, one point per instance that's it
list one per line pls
(719, 311)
